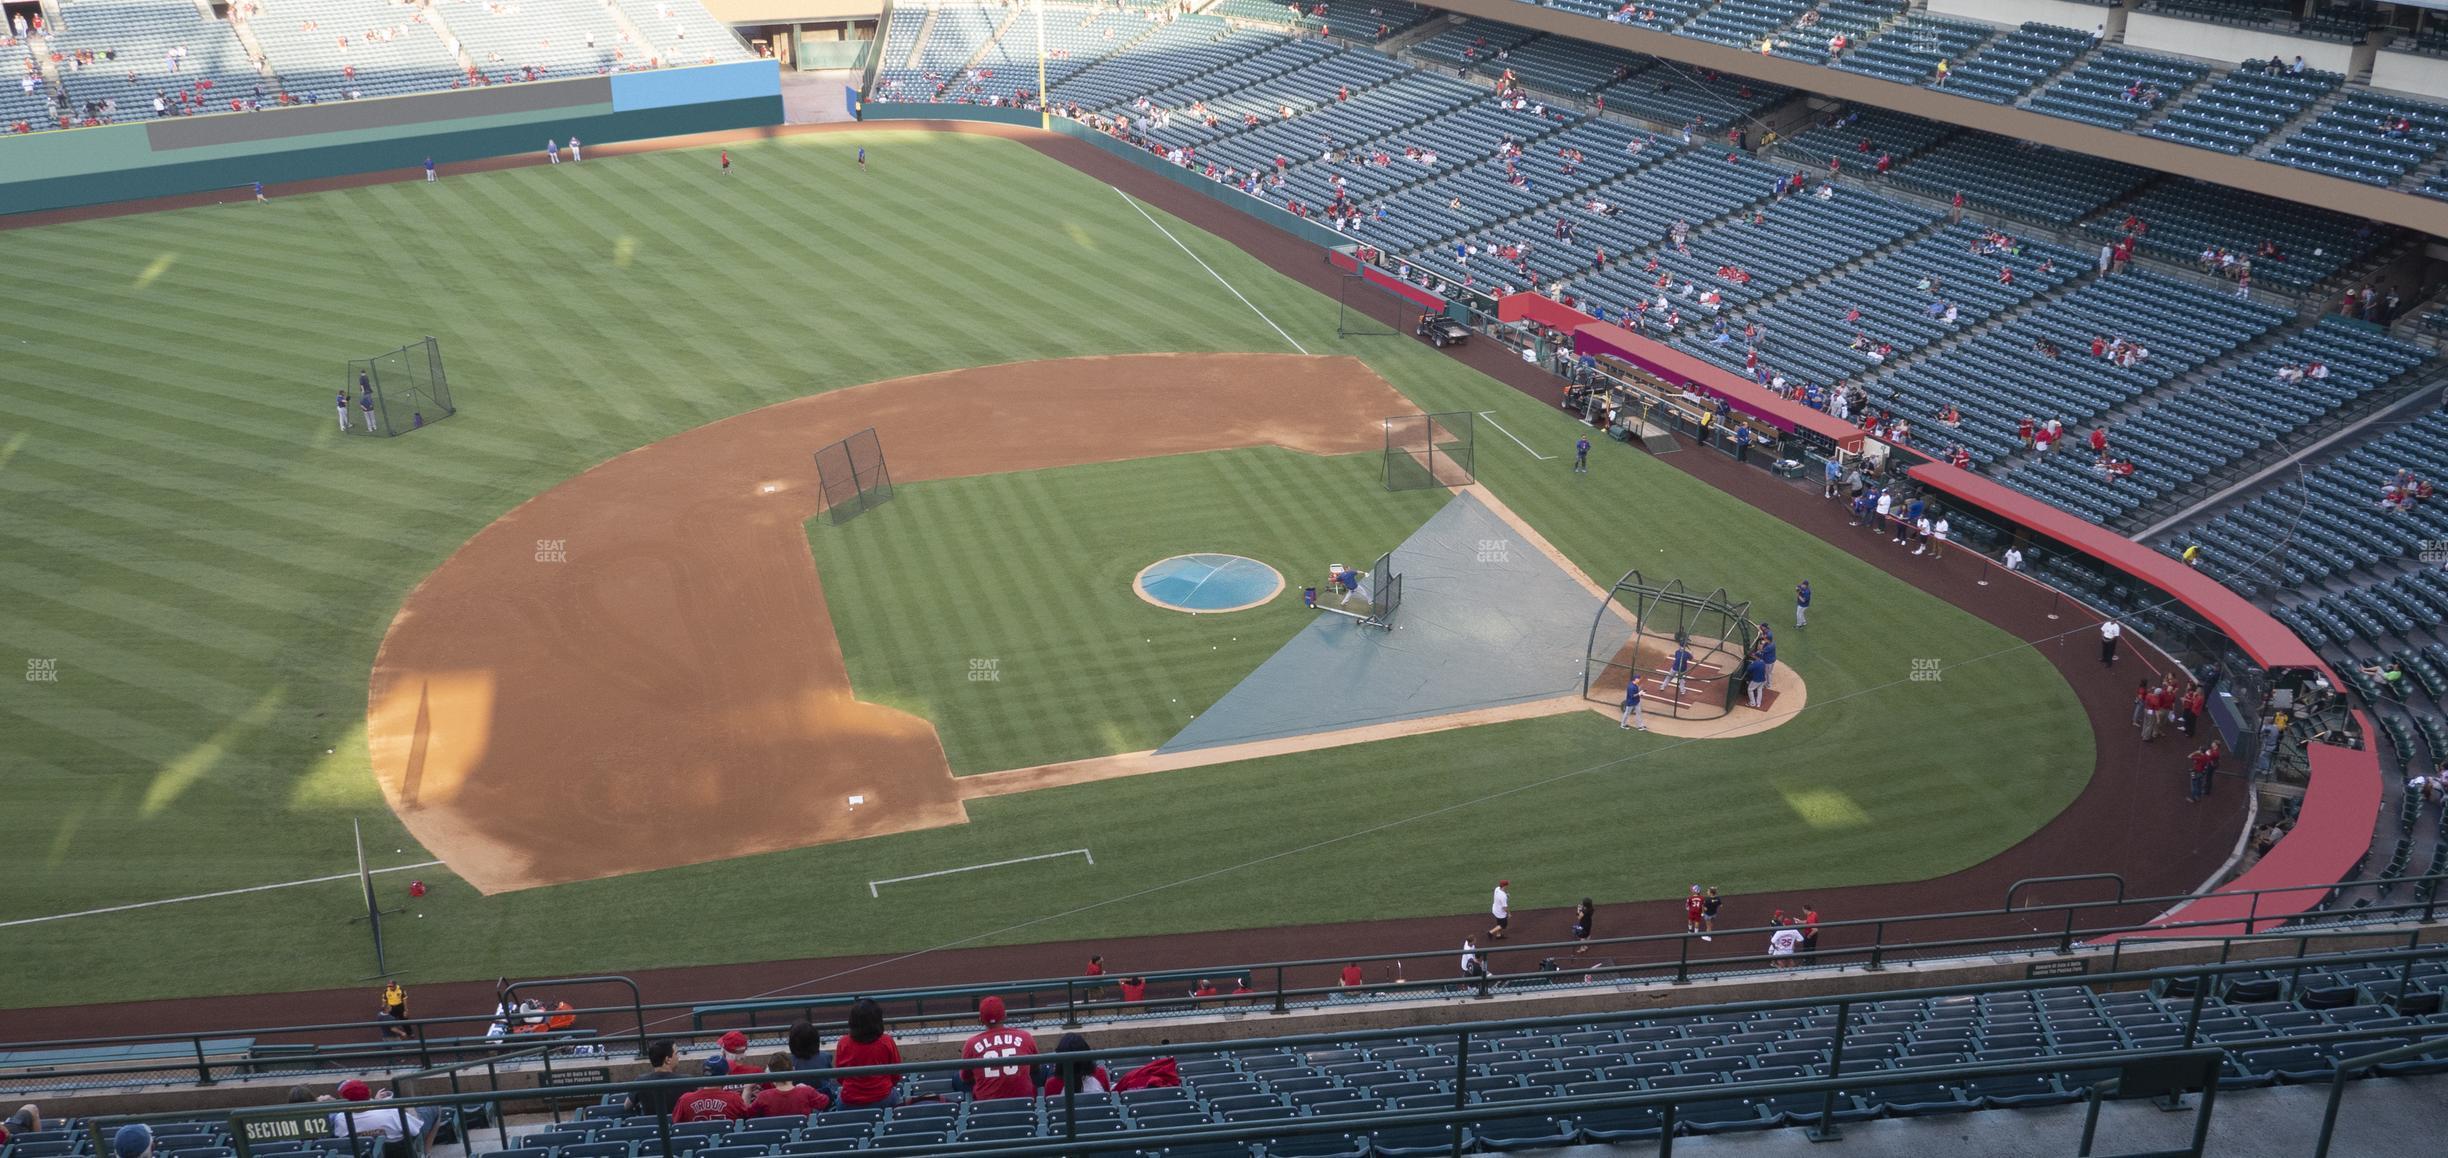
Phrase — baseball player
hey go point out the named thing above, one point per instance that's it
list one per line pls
(1581, 456)
(1756, 675)
(259, 193)
(726, 162)
(1632, 717)
(429, 171)
(1349, 580)
(365, 402)
(575, 155)
(1802, 596)
(552, 150)
(342, 400)
(1501, 908)
(862, 158)
(1681, 669)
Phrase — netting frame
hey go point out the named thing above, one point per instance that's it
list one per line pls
(852, 477)
(1385, 592)
(410, 387)
(1715, 627)
(1417, 459)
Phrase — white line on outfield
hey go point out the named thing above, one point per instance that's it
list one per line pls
(1126, 198)
(209, 896)
(871, 885)
(1490, 415)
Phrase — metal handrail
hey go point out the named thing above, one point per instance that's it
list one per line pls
(2345, 1066)
(2202, 976)
(1875, 954)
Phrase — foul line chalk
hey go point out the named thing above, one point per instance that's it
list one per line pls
(209, 896)
(1490, 415)
(970, 868)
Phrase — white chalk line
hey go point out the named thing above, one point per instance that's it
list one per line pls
(970, 868)
(1202, 262)
(209, 896)
(1490, 415)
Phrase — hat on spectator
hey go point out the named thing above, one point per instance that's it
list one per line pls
(990, 1011)
(353, 1090)
(134, 1140)
(733, 1042)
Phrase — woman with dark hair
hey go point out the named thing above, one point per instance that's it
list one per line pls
(807, 1052)
(1089, 1077)
(868, 1045)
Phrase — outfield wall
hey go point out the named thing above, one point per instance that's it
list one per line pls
(175, 156)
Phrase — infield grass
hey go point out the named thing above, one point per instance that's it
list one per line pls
(208, 568)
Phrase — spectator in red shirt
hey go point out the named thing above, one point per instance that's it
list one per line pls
(995, 1041)
(868, 1045)
(786, 1099)
(1096, 968)
(1810, 931)
(1351, 975)
(2099, 441)
(711, 1104)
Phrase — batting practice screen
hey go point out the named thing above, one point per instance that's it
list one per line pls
(852, 475)
(406, 387)
(1714, 629)
(1429, 450)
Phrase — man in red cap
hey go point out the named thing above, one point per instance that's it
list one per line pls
(733, 1060)
(364, 1122)
(994, 1041)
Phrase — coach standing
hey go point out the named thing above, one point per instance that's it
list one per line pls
(1802, 596)
(2110, 632)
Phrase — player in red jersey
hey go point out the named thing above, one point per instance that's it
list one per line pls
(994, 1041)
(1692, 911)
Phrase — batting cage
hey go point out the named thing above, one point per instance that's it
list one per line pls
(1380, 584)
(1714, 629)
(392, 394)
(852, 475)
(1430, 450)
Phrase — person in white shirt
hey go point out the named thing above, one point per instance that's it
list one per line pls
(1501, 908)
(389, 1125)
(1781, 945)
(2110, 632)
(1474, 969)
(1938, 536)
(2014, 558)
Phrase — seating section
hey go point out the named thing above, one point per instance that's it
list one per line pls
(2243, 108)
(2196, 432)
(542, 39)
(1371, 20)
(2368, 137)
(2017, 63)
(1175, 48)
(1854, 20)
(1675, 94)
(2182, 324)
(1808, 337)
(1909, 52)
(1472, 42)
(1742, 22)
(2393, 607)
(140, 49)
(1422, 219)
(1860, 136)
(1563, 65)
(327, 50)
(2117, 86)
(686, 33)
(2333, 524)
(1998, 175)
(2242, 13)
(931, 71)
(2288, 1026)
(2184, 217)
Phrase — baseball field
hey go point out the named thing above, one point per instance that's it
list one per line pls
(242, 629)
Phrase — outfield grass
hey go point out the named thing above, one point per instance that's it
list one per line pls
(965, 570)
(212, 568)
